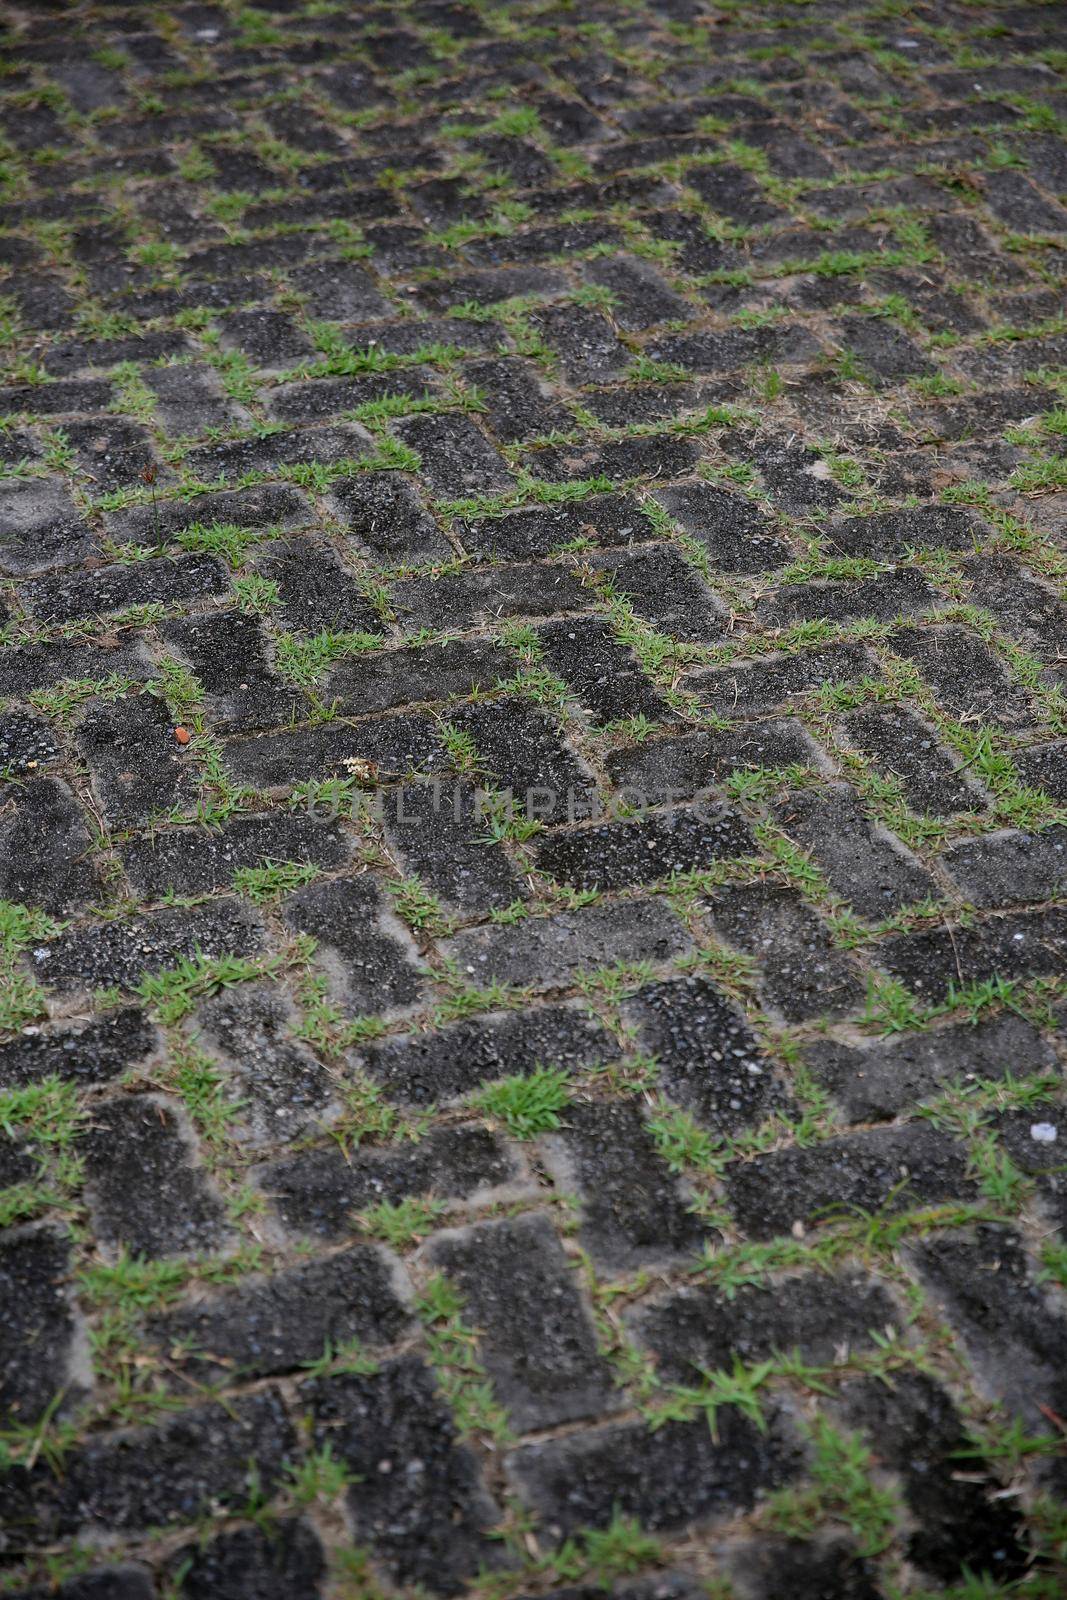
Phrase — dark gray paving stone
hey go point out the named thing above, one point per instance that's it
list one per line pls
(99, 355)
(605, 676)
(893, 1167)
(228, 654)
(457, 459)
(522, 751)
(1010, 868)
(765, 685)
(339, 291)
(145, 1192)
(801, 973)
(384, 515)
(637, 455)
(1018, 203)
(1033, 615)
(550, 952)
(279, 1089)
(617, 855)
(622, 405)
(736, 534)
(615, 519)
(42, 529)
(967, 677)
(583, 340)
(904, 748)
(664, 1586)
(1018, 945)
(91, 1053)
(270, 340)
(196, 860)
(420, 1068)
(359, 942)
(266, 506)
(318, 1193)
(989, 1290)
(1033, 1140)
(684, 766)
(139, 769)
(964, 1522)
(429, 1523)
(885, 353)
(281, 759)
(440, 834)
(796, 477)
(887, 597)
(271, 453)
(277, 1324)
(44, 847)
(786, 344)
(877, 1080)
(284, 1561)
(700, 1329)
(535, 1336)
(519, 405)
(316, 593)
(22, 1158)
(865, 865)
(25, 667)
(188, 401)
(893, 533)
(112, 454)
(484, 597)
(320, 398)
(667, 592)
(641, 298)
(152, 1477)
(120, 953)
(709, 1060)
(675, 1475)
(524, 534)
(104, 1583)
(455, 668)
(35, 1266)
(1044, 767)
(489, 286)
(819, 1569)
(633, 1212)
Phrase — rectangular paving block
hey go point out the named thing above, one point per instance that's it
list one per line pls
(416, 1497)
(616, 855)
(665, 1478)
(267, 1326)
(633, 1210)
(709, 1060)
(535, 1337)
(875, 1081)
(699, 1329)
(834, 1180)
(172, 1473)
(862, 862)
(550, 952)
(320, 1191)
(446, 1063)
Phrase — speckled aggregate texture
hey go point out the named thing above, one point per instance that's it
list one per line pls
(533, 757)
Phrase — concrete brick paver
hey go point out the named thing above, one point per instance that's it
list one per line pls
(533, 755)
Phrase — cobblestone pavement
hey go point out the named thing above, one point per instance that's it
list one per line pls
(532, 925)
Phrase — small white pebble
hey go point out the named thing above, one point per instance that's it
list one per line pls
(1043, 1132)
